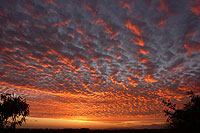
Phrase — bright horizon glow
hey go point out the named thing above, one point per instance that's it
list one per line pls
(59, 123)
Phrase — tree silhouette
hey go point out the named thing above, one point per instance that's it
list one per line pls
(186, 118)
(13, 111)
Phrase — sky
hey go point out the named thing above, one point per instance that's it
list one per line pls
(99, 63)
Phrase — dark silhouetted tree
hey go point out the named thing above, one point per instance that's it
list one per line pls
(186, 118)
(13, 111)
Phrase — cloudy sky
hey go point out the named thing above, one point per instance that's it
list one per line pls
(108, 61)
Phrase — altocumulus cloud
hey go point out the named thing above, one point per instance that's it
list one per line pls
(99, 59)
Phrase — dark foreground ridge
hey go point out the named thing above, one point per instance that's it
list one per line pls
(85, 130)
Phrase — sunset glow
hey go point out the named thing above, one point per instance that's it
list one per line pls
(99, 64)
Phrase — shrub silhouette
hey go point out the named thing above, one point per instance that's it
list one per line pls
(13, 111)
(186, 118)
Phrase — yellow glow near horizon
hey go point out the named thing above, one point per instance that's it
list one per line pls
(80, 123)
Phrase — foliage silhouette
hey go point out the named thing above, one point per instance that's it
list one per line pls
(13, 111)
(186, 118)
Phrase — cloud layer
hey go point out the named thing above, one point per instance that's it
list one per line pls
(99, 59)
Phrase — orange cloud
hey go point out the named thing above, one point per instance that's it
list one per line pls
(63, 23)
(138, 41)
(192, 47)
(143, 60)
(118, 83)
(125, 4)
(163, 22)
(143, 52)
(101, 22)
(80, 31)
(149, 79)
(114, 35)
(195, 10)
(196, 7)
(163, 7)
(134, 29)
(132, 82)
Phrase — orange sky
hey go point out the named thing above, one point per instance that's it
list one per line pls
(61, 123)
(99, 63)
